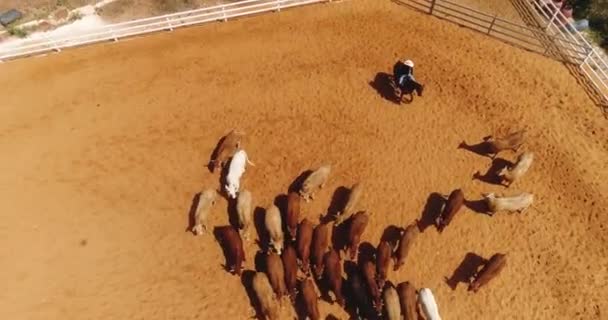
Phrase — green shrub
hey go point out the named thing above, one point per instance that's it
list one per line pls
(17, 32)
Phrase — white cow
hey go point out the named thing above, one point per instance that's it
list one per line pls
(243, 208)
(206, 200)
(316, 180)
(391, 303)
(272, 220)
(235, 171)
(524, 161)
(428, 304)
(517, 203)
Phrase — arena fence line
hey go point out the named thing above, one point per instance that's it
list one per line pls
(167, 22)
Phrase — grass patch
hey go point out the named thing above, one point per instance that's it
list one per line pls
(16, 31)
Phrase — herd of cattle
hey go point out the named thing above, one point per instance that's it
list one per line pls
(295, 246)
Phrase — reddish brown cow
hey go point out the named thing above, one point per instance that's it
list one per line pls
(276, 274)
(405, 243)
(490, 270)
(233, 245)
(358, 224)
(290, 263)
(304, 238)
(369, 272)
(454, 203)
(293, 213)
(320, 243)
(310, 299)
(407, 299)
(333, 274)
(383, 259)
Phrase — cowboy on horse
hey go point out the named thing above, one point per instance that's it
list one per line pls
(403, 72)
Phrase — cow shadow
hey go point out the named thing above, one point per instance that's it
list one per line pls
(233, 214)
(352, 271)
(339, 235)
(491, 175)
(259, 261)
(478, 206)
(338, 201)
(192, 212)
(331, 317)
(281, 202)
(222, 180)
(467, 269)
(214, 155)
(296, 185)
(300, 305)
(392, 234)
(383, 84)
(259, 215)
(247, 282)
(483, 148)
(432, 210)
(218, 233)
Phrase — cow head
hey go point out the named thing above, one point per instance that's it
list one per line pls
(231, 190)
(488, 196)
(197, 229)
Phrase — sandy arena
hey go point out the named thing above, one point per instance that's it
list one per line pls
(105, 146)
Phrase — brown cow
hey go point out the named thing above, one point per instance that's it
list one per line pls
(320, 243)
(233, 244)
(383, 259)
(454, 203)
(490, 270)
(405, 243)
(263, 291)
(293, 212)
(230, 144)
(290, 263)
(333, 274)
(369, 272)
(358, 224)
(304, 238)
(407, 299)
(310, 299)
(276, 274)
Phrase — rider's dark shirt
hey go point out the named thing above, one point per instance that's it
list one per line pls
(401, 69)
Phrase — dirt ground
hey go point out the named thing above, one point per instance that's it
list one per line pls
(104, 148)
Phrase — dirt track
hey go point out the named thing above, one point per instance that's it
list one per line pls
(104, 148)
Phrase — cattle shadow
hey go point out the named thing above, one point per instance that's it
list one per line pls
(218, 233)
(432, 210)
(233, 214)
(222, 180)
(384, 85)
(300, 305)
(468, 268)
(214, 154)
(259, 261)
(491, 175)
(339, 235)
(281, 202)
(192, 212)
(247, 282)
(367, 252)
(331, 317)
(358, 303)
(338, 201)
(259, 215)
(483, 148)
(296, 185)
(392, 234)
(478, 206)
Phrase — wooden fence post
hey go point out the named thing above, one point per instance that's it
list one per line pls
(432, 6)
(492, 24)
(587, 57)
(169, 24)
(551, 20)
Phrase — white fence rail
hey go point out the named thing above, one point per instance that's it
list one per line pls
(148, 25)
(564, 34)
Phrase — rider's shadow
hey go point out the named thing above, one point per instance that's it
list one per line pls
(384, 84)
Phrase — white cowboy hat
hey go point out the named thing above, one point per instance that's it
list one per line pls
(409, 63)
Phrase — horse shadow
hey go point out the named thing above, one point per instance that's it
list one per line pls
(432, 210)
(259, 215)
(383, 83)
(338, 201)
(218, 233)
(468, 268)
(491, 175)
(392, 234)
(296, 185)
(247, 282)
(192, 211)
(483, 148)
